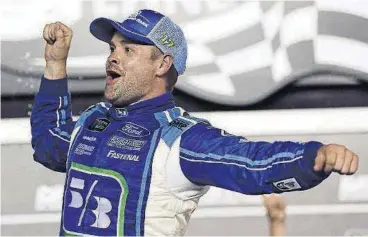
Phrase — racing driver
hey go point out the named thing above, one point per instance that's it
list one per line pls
(136, 164)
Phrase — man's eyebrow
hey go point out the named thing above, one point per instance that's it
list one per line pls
(125, 41)
(122, 42)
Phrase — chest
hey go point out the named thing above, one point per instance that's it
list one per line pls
(113, 144)
(109, 169)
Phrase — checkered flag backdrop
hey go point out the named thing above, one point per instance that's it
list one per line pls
(240, 52)
(250, 51)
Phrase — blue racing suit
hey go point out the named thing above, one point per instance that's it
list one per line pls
(141, 170)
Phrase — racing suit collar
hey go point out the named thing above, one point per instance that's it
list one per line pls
(156, 104)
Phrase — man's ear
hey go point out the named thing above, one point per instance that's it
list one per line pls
(166, 63)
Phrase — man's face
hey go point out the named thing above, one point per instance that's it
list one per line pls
(130, 70)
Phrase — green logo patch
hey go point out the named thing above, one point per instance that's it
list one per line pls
(166, 41)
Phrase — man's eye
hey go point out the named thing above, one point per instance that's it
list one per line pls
(127, 50)
(112, 49)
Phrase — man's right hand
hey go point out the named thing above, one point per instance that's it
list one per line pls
(58, 38)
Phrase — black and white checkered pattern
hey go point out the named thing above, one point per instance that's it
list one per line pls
(278, 42)
(238, 54)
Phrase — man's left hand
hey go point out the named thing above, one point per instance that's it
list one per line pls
(336, 158)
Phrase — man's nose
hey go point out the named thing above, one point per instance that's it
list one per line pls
(113, 60)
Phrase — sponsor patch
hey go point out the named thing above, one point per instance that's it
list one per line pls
(179, 124)
(139, 18)
(121, 112)
(166, 41)
(287, 184)
(134, 130)
(89, 138)
(85, 183)
(99, 125)
(83, 149)
(126, 143)
(121, 156)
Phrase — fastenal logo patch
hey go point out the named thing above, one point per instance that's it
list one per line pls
(120, 156)
(134, 130)
(99, 125)
(83, 149)
(287, 184)
(126, 143)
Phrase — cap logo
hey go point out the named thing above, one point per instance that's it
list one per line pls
(166, 41)
(139, 18)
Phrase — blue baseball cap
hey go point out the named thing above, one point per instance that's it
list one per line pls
(147, 27)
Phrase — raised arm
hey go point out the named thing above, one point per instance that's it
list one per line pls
(51, 119)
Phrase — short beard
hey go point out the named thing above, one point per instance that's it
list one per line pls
(125, 95)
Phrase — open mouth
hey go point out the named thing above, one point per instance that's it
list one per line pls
(113, 74)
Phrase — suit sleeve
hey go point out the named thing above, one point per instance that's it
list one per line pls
(52, 124)
(210, 156)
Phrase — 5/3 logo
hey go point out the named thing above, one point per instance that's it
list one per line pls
(103, 204)
(88, 209)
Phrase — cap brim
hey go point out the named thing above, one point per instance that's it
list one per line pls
(103, 29)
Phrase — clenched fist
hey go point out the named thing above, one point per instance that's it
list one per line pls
(58, 37)
(336, 158)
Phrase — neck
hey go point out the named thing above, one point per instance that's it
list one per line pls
(156, 90)
(150, 96)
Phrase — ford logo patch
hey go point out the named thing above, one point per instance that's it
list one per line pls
(134, 130)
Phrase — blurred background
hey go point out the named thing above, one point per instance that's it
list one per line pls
(267, 70)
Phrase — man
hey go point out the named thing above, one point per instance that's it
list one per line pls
(138, 165)
(276, 215)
